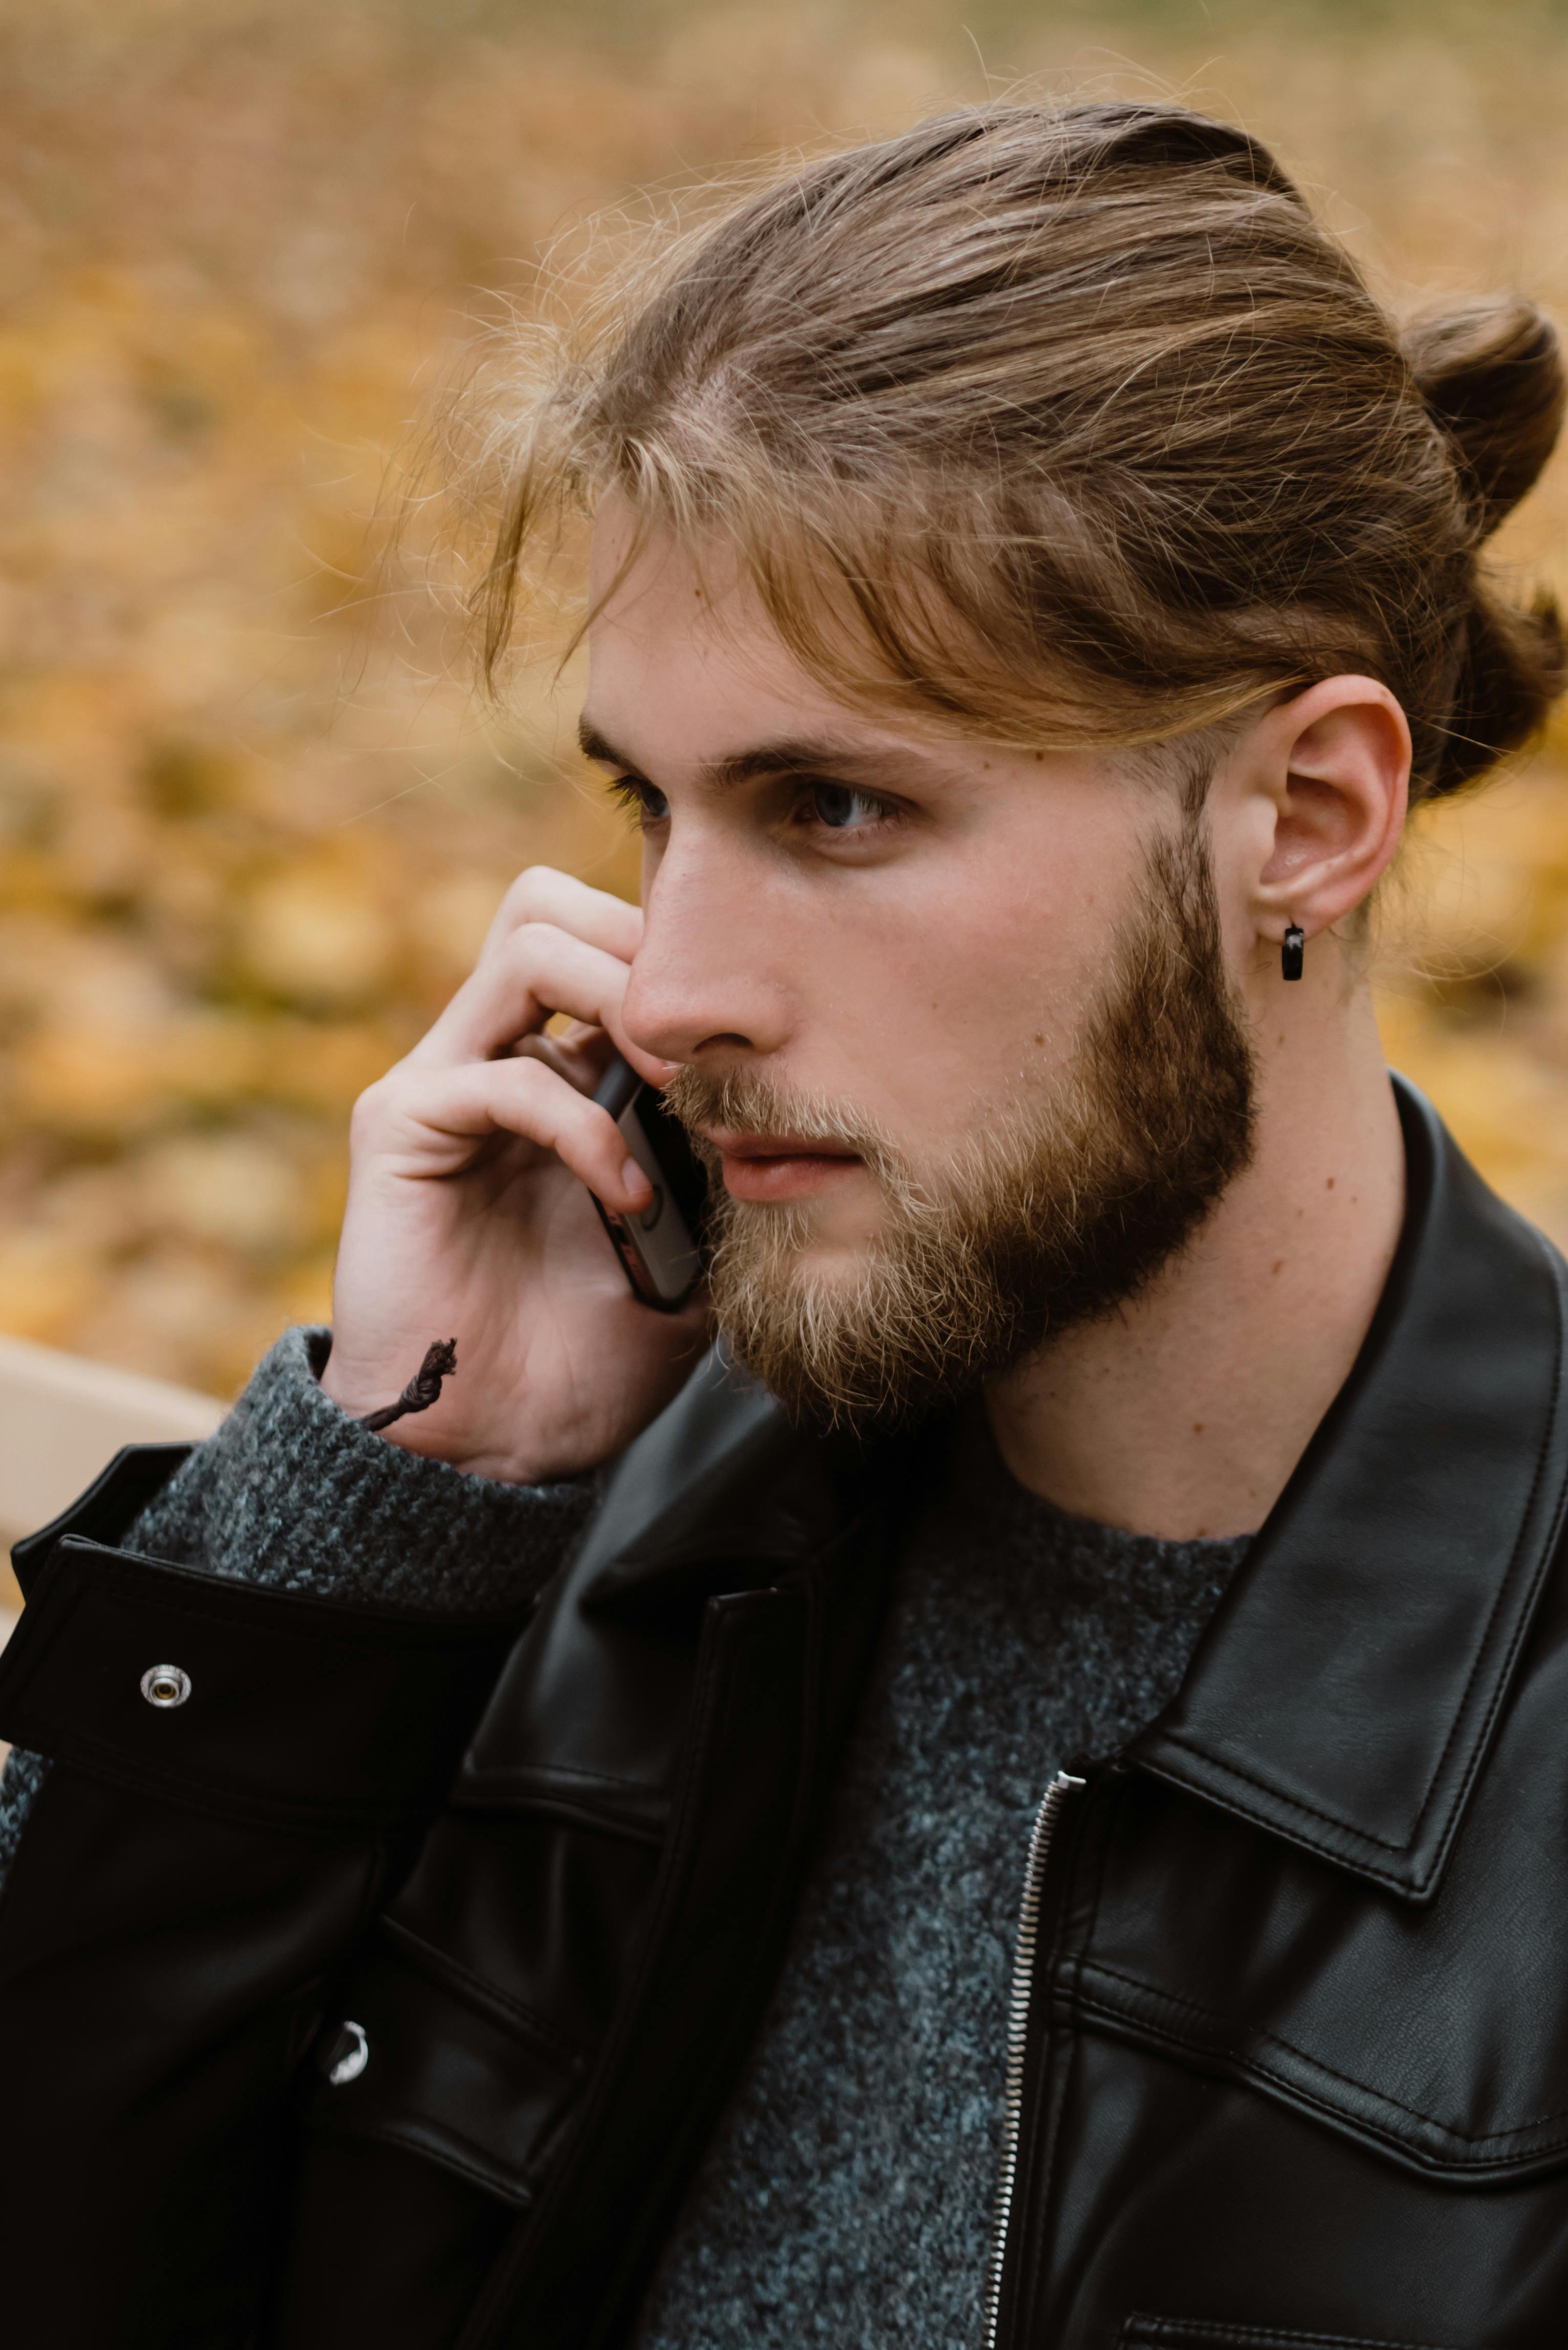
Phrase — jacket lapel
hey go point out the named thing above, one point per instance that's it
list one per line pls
(1346, 1692)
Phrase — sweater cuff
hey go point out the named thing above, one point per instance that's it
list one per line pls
(292, 1493)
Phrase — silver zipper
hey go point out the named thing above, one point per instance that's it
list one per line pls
(1044, 1827)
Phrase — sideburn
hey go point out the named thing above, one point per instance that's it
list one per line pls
(1166, 1082)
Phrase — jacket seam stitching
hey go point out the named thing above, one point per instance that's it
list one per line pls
(1393, 1877)
(1309, 2098)
(1482, 1729)
(73, 1748)
(379, 1639)
(1479, 1739)
(481, 2168)
(126, 1489)
(1553, 1264)
(1173, 2330)
(716, 1722)
(553, 1773)
(1235, 2052)
(480, 2330)
(757, 1964)
(450, 1975)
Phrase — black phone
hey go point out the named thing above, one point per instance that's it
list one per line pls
(662, 1249)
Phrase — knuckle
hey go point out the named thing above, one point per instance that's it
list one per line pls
(542, 958)
(382, 1103)
(535, 887)
(547, 1090)
(370, 1108)
(530, 944)
(533, 1089)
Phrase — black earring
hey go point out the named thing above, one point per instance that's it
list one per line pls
(1293, 953)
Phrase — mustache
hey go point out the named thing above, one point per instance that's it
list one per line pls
(748, 1102)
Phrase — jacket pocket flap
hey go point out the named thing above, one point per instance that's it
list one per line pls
(469, 2080)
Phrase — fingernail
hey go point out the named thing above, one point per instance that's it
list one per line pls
(636, 1183)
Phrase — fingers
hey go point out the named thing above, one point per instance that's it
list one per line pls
(583, 1054)
(581, 1057)
(542, 895)
(434, 1121)
(518, 985)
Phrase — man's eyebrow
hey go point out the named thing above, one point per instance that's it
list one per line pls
(805, 755)
(598, 748)
(786, 755)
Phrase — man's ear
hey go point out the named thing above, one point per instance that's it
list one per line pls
(1335, 763)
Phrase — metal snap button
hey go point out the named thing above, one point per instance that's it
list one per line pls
(346, 2055)
(165, 1685)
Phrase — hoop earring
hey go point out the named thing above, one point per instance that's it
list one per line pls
(1293, 952)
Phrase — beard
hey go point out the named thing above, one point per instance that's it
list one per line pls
(1065, 1201)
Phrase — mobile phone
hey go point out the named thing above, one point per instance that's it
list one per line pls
(662, 1249)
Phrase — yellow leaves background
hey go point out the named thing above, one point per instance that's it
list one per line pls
(251, 822)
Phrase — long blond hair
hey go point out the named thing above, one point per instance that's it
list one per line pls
(1067, 425)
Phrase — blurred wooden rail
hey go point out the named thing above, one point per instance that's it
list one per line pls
(62, 1419)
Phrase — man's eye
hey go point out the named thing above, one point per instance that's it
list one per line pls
(644, 802)
(842, 808)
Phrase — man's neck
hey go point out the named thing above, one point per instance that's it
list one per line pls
(1184, 1414)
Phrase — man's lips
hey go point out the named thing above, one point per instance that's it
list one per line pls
(777, 1166)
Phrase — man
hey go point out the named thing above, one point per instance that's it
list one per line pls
(1018, 1799)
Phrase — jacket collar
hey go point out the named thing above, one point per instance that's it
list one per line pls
(1345, 1692)
(720, 1481)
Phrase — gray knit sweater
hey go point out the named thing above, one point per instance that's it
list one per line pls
(847, 2194)
(846, 2197)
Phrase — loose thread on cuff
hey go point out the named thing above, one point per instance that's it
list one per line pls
(423, 1389)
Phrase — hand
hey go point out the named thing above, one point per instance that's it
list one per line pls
(467, 1217)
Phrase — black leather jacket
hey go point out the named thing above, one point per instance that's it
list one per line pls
(1296, 2062)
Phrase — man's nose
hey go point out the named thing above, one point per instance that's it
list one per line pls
(700, 981)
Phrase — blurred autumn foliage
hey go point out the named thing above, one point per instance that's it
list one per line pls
(252, 822)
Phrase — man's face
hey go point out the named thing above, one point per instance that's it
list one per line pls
(951, 1020)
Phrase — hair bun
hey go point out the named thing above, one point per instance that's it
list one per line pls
(1491, 374)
